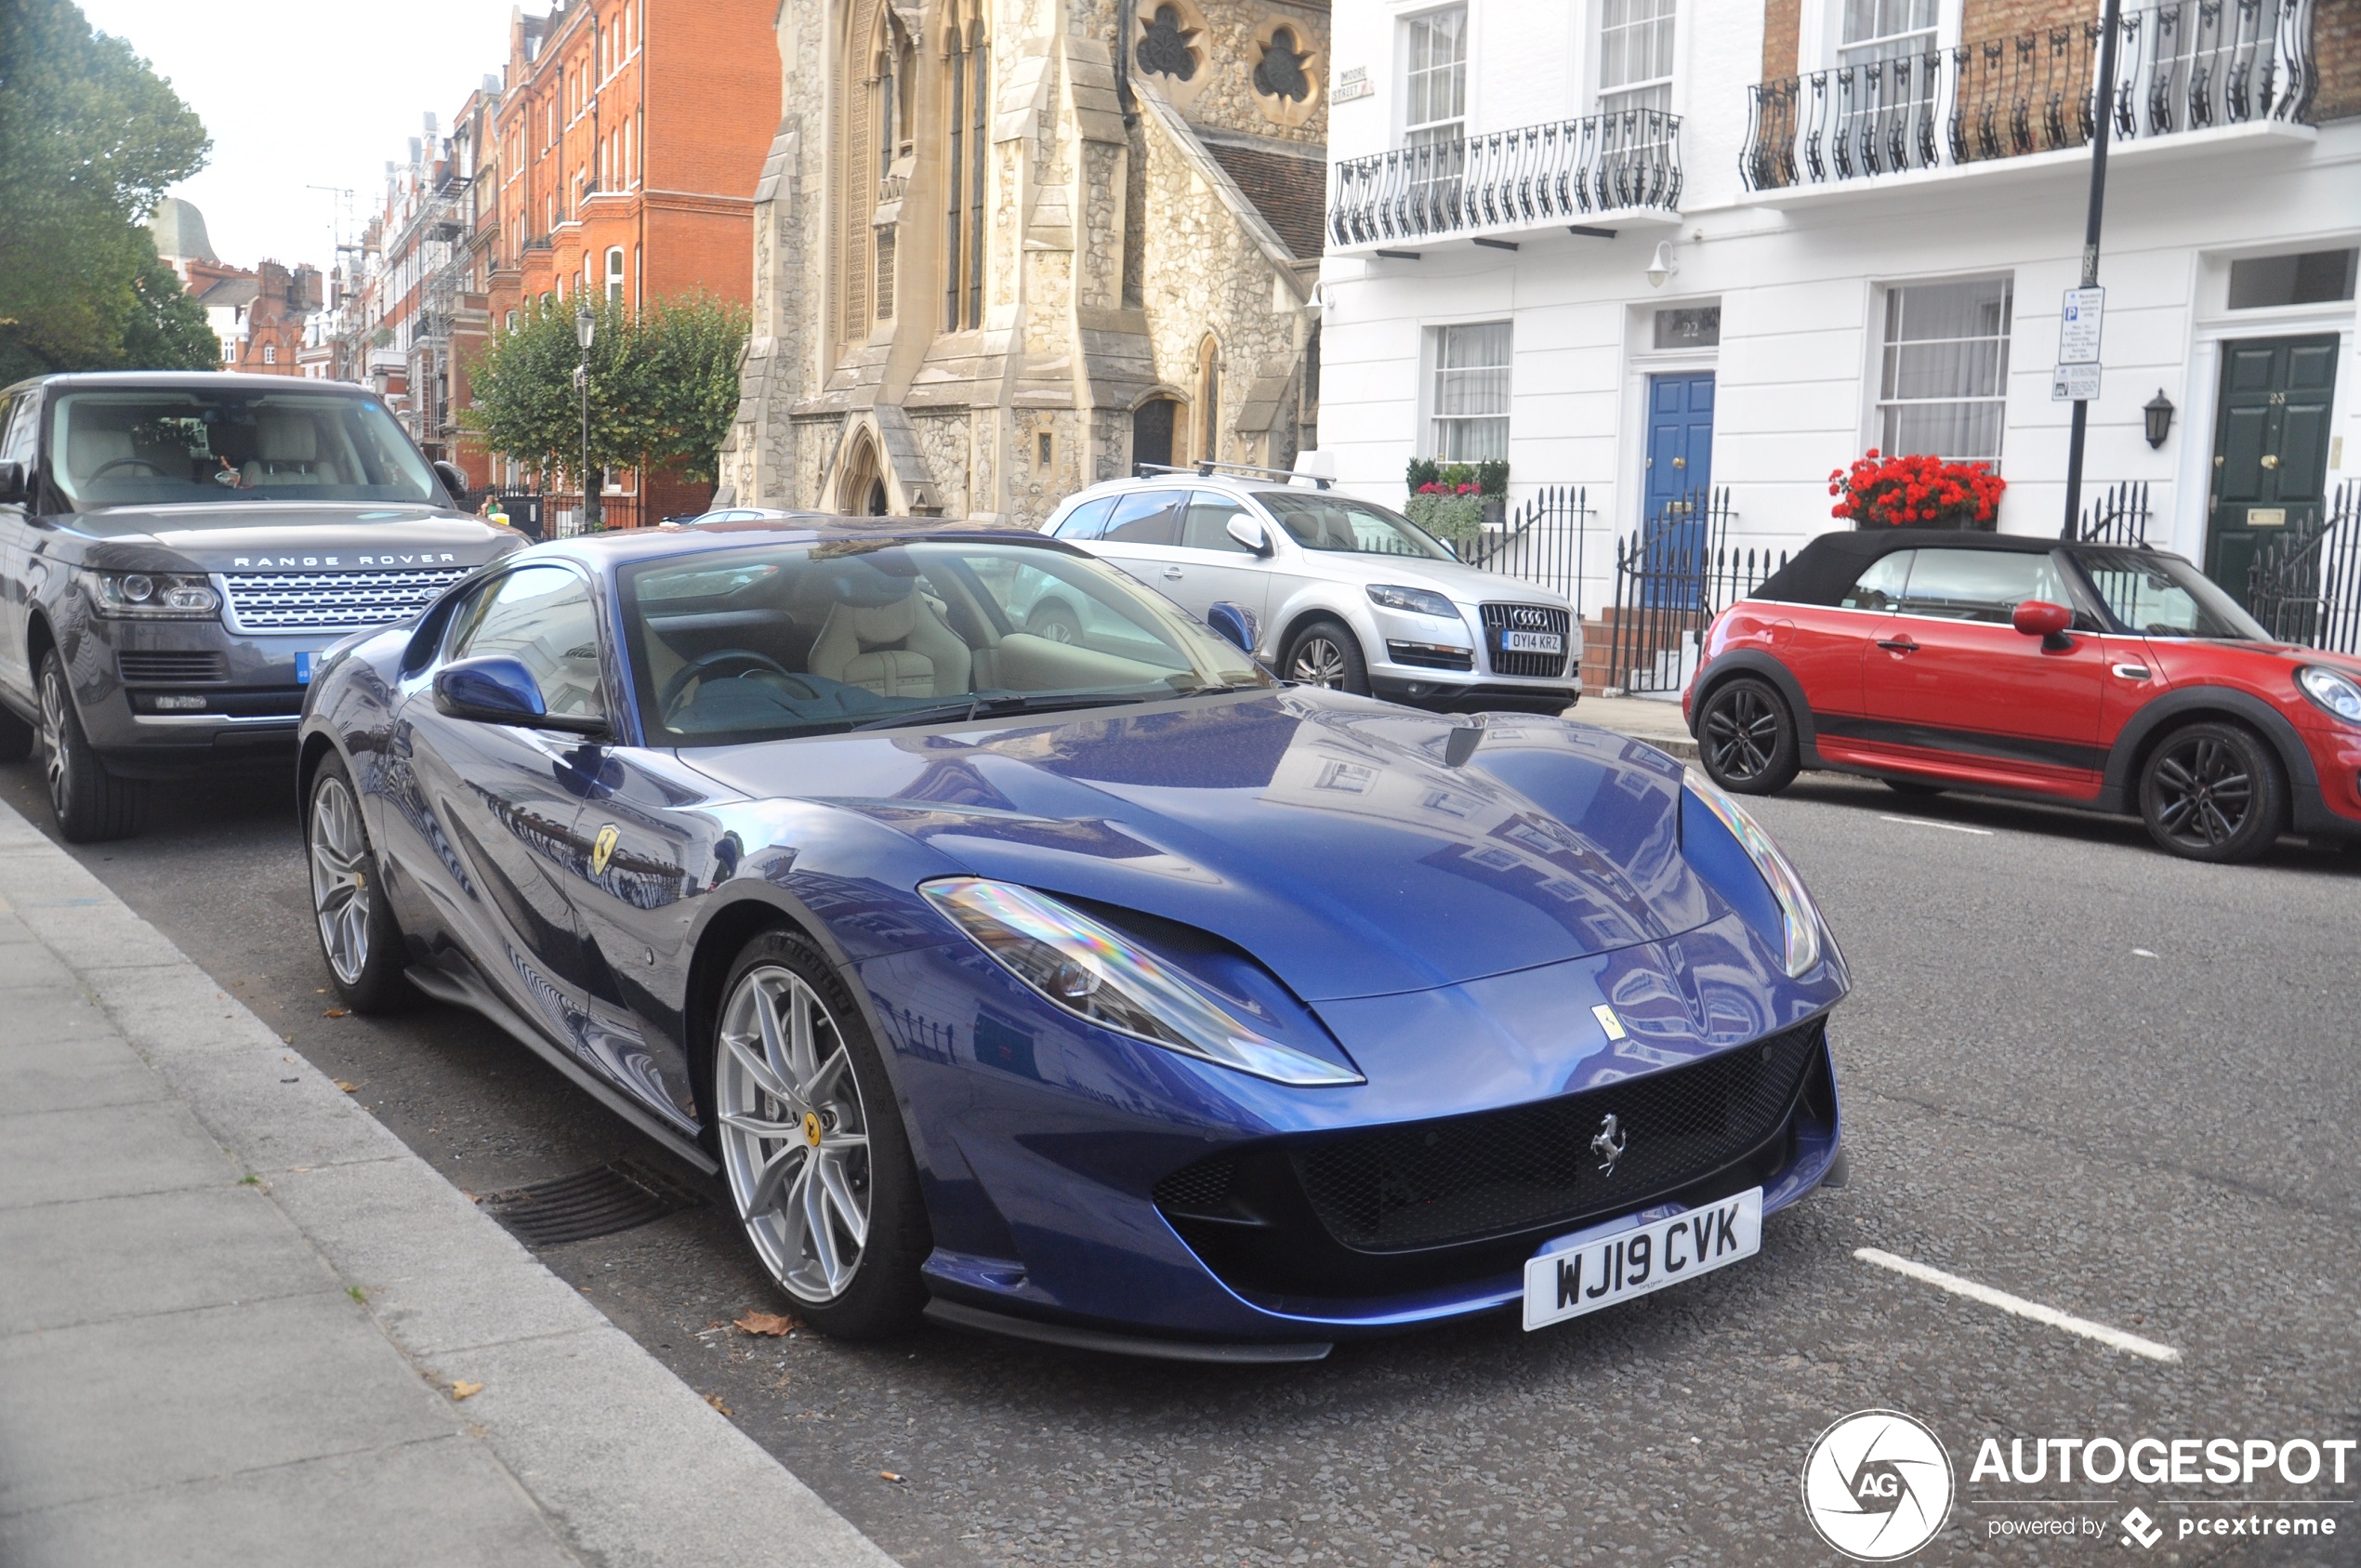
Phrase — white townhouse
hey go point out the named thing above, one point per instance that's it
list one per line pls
(1645, 246)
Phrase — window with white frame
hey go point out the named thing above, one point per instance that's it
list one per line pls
(1943, 387)
(1887, 30)
(614, 275)
(1887, 65)
(1470, 414)
(1635, 54)
(1434, 84)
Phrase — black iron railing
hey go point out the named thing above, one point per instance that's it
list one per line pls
(2180, 65)
(2119, 516)
(1672, 575)
(1561, 172)
(1544, 543)
(2306, 588)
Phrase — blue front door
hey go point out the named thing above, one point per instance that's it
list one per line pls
(1680, 469)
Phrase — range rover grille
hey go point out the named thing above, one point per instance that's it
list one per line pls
(332, 601)
(149, 666)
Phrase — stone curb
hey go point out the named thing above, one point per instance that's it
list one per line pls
(631, 1465)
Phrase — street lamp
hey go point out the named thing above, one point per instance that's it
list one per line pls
(585, 326)
(2156, 415)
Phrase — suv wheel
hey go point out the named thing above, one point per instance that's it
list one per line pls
(1325, 654)
(1745, 738)
(2213, 792)
(90, 803)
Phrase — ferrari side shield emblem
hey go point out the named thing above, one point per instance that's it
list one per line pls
(1608, 1021)
(602, 850)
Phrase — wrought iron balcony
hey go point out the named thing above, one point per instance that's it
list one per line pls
(1564, 172)
(2180, 65)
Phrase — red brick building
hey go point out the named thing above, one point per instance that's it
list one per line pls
(258, 313)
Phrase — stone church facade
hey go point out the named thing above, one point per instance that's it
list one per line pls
(998, 259)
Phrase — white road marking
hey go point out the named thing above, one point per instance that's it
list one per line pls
(2019, 1305)
(1947, 827)
(2141, 953)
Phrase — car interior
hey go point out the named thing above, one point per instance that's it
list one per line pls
(796, 638)
(121, 448)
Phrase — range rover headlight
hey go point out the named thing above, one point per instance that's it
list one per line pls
(2336, 692)
(166, 595)
(1419, 601)
(1099, 974)
(1800, 917)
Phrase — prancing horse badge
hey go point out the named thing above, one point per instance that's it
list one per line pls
(602, 850)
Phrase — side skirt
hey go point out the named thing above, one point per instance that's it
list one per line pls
(469, 993)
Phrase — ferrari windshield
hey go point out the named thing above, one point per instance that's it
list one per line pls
(2164, 596)
(778, 640)
(128, 446)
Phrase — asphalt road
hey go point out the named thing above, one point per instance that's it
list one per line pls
(2073, 1070)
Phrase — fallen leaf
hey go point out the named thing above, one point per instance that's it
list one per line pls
(465, 1390)
(334, 1012)
(773, 1323)
(288, 1038)
(889, 1475)
(349, 1088)
(714, 1400)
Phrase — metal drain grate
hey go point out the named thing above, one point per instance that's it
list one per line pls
(616, 1196)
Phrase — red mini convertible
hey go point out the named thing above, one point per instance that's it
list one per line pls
(2111, 678)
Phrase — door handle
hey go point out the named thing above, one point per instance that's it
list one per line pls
(1897, 645)
(1172, 573)
(2133, 672)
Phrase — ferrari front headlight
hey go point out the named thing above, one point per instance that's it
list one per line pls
(1098, 974)
(1800, 917)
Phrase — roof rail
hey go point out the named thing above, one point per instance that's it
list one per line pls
(1206, 468)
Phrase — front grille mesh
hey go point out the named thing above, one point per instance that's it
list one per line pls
(170, 666)
(1467, 1179)
(1498, 618)
(333, 601)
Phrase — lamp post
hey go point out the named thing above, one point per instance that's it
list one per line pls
(2110, 24)
(585, 326)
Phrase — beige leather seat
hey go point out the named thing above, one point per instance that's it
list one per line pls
(898, 650)
(287, 452)
(93, 450)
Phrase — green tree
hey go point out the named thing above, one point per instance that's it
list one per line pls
(663, 386)
(90, 139)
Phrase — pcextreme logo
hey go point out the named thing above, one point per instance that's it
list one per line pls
(1878, 1485)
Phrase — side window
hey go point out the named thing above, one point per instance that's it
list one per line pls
(1981, 585)
(1881, 587)
(1086, 520)
(543, 616)
(1207, 524)
(1152, 517)
(20, 425)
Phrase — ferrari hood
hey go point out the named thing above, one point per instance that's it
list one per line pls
(1326, 836)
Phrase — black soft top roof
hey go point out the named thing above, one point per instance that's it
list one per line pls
(1833, 563)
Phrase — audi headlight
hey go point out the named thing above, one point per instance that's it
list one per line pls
(1419, 601)
(1100, 975)
(165, 595)
(1800, 917)
(2338, 693)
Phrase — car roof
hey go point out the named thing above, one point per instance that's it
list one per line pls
(1191, 479)
(1823, 569)
(623, 546)
(187, 380)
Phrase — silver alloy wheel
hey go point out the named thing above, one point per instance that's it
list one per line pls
(1318, 662)
(55, 766)
(340, 879)
(795, 1136)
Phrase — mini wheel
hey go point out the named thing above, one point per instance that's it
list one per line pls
(1746, 737)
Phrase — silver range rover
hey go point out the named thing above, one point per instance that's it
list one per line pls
(176, 553)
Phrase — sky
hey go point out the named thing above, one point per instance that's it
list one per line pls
(298, 93)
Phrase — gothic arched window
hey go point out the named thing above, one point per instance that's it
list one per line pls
(967, 75)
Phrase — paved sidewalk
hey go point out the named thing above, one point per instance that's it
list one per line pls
(1658, 723)
(234, 1306)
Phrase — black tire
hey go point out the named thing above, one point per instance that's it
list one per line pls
(1326, 653)
(17, 737)
(2213, 792)
(1054, 619)
(1913, 789)
(881, 1293)
(1746, 737)
(339, 856)
(91, 803)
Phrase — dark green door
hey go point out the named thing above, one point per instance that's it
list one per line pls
(2270, 449)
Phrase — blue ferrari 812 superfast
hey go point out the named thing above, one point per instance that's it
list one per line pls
(1099, 989)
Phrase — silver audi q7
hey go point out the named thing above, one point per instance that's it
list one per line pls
(177, 551)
